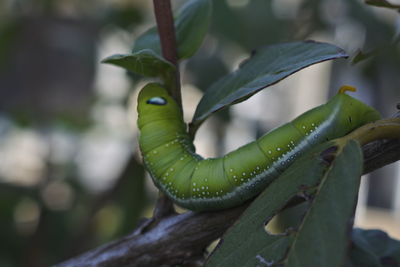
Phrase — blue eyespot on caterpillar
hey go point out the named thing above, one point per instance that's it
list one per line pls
(217, 183)
(160, 101)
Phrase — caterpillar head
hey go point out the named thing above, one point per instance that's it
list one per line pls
(352, 112)
(362, 113)
(154, 103)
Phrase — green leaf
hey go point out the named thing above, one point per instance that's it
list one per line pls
(266, 67)
(322, 235)
(191, 25)
(144, 62)
(374, 248)
(382, 3)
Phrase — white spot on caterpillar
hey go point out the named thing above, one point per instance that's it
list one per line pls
(231, 170)
(194, 189)
(278, 149)
(234, 176)
(303, 127)
(202, 187)
(257, 167)
(172, 169)
(269, 151)
(194, 184)
(312, 124)
(244, 174)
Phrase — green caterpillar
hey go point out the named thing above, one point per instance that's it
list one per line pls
(217, 183)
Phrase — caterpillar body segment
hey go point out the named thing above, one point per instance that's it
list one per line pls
(217, 183)
(240, 168)
(282, 145)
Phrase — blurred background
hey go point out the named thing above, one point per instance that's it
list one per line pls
(71, 176)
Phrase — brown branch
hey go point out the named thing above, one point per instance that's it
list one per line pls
(166, 31)
(380, 153)
(178, 239)
(182, 238)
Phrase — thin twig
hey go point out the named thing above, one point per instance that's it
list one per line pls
(166, 31)
(164, 207)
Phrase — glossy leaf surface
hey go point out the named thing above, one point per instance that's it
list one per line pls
(321, 238)
(144, 62)
(265, 67)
